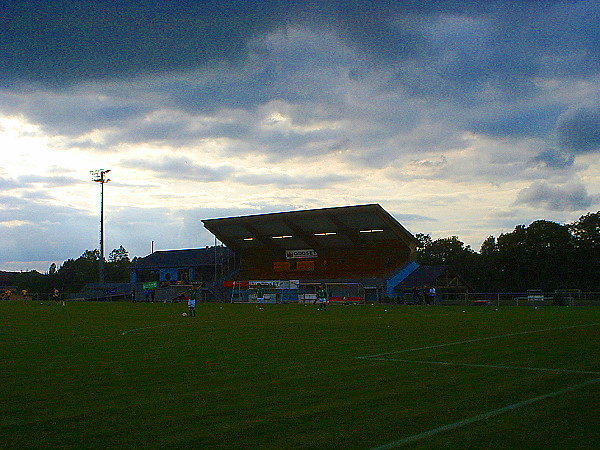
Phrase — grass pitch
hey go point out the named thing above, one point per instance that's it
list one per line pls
(126, 375)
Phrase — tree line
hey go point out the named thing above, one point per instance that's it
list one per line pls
(73, 274)
(544, 255)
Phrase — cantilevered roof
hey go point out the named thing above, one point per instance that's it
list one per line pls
(346, 226)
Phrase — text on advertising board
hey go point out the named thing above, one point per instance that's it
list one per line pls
(297, 254)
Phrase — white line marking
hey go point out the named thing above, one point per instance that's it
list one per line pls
(202, 326)
(461, 423)
(543, 369)
(475, 340)
(152, 327)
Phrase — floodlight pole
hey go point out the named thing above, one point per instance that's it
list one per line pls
(99, 176)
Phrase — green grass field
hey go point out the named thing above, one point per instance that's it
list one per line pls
(140, 375)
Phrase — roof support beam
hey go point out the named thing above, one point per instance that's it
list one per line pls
(306, 237)
(351, 234)
(255, 234)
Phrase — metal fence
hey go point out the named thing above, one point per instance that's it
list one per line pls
(530, 298)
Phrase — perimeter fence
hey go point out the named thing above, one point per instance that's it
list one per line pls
(566, 297)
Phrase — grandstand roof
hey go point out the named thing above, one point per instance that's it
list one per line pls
(181, 258)
(346, 226)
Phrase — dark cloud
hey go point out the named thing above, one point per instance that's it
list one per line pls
(578, 131)
(553, 159)
(572, 197)
(210, 56)
(536, 121)
(58, 42)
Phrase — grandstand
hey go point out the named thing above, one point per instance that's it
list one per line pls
(359, 252)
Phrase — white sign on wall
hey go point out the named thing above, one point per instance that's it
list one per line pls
(299, 254)
(279, 284)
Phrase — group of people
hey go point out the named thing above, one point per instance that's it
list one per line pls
(7, 294)
(424, 296)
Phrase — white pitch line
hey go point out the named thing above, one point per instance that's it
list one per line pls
(468, 341)
(152, 327)
(491, 366)
(201, 326)
(461, 423)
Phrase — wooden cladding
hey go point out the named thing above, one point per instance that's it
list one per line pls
(291, 266)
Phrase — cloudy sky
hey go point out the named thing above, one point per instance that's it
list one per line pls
(459, 118)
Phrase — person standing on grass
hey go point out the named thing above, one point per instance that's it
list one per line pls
(432, 295)
(260, 298)
(56, 295)
(192, 300)
(322, 298)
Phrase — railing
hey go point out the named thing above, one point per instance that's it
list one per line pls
(566, 297)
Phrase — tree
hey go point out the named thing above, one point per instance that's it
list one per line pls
(535, 257)
(489, 246)
(450, 251)
(586, 231)
(75, 273)
(32, 281)
(118, 254)
(118, 269)
(92, 255)
(586, 237)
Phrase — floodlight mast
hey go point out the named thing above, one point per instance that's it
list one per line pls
(99, 176)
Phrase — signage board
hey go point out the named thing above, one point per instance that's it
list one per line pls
(278, 284)
(300, 254)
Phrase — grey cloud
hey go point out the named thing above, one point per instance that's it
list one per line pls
(181, 167)
(283, 180)
(60, 42)
(29, 183)
(73, 112)
(427, 71)
(8, 183)
(553, 159)
(51, 231)
(534, 121)
(579, 130)
(468, 43)
(572, 197)
(439, 163)
(166, 130)
(48, 181)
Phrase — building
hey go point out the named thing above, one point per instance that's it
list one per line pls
(358, 251)
(200, 265)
